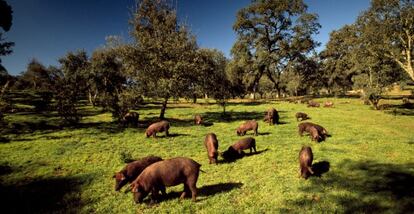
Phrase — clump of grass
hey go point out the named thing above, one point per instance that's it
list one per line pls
(125, 157)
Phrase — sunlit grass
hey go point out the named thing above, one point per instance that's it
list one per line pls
(368, 151)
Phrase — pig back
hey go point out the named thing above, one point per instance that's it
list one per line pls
(169, 172)
(244, 143)
(211, 142)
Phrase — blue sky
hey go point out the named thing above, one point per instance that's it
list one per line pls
(48, 29)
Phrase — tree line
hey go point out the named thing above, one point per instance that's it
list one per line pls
(274, 55)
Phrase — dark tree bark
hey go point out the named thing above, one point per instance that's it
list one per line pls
(163, 108)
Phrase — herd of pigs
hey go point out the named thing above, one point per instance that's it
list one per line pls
(152, 174)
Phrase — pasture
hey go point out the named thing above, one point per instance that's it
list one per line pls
(367, 165)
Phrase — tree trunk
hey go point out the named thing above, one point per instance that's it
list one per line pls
(163, 108)
(194, 98)
(3, 90)
(90, 98)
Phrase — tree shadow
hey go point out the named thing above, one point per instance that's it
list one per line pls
(251, 103)
(4, 139)
(207, 124)
(43, 195)
(30, 127)
(173, 122)
(5, 169)
(263, 133)
(233, 116)
(372, 187)
(406, 109)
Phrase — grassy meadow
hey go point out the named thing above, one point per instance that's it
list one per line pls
(367, 165)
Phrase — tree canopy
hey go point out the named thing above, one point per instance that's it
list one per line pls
(165, 50)
(270, 35)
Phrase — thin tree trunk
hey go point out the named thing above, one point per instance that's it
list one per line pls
(163, 108)
(90, 98)
(194, 98)
(3, 90)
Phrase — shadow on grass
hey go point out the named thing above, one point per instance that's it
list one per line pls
(372, 188)
(5, 169)
(172, 135)
(207, 190)
(173, 122)
(406, 109)
(4, 139)
(232, 156)
(214, 189)
(207, 124)
(233, 116)
(50, 195)
(320, 168)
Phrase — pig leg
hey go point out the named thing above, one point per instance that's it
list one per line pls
(154, 195)
(154, 135)
(255, 132)
(162, 189)
(254, 147)
(310, 170)
(186, 190)
(192, 185)
(166, 133)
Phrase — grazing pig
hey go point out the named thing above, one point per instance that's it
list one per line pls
(158, 127)
(314, 133)
(305, 161)
(198, 120)
(328, 104)
(211, 144)
(302, 116)
(131, 171)
(130, 118)
(167, 173)
(313, 104)
(272, 116)
(247, 126)
(305, 127)
(245, 143)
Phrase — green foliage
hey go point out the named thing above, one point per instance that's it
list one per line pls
(72, 85)
(387, 28)
(270, 34)
(107, 80)
(72, 168)
(338, 59)
(5, 15)
(39, 78)
(165, 52)
(5, 23)
(370, 54)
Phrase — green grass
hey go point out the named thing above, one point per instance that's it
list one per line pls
(45, 168)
